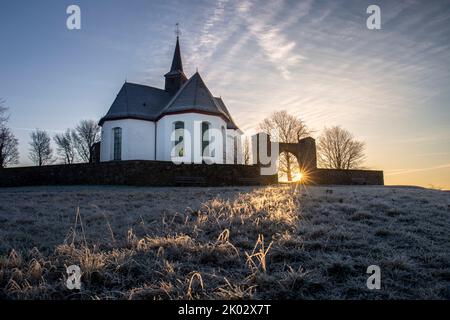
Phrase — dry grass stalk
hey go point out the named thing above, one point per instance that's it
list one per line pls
(224, 236)
(195, 283)
(259, 254)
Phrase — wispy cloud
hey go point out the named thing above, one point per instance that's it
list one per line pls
(230, 25)
(271, 34)
(442, 136)
(211, 35)
(433, 154)
(33, 129)
(408, 171)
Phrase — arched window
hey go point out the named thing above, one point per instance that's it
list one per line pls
(205, 139)
(117, 138)
(179, 138)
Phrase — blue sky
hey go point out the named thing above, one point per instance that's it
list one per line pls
(316, 59)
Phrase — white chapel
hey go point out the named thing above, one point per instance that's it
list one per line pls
(183, 122)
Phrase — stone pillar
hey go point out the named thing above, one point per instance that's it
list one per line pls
(307, 154)
(95, 153)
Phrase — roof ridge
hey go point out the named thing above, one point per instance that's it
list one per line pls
(196, 88)
(175, 96)
(216, 98)
(212, 97)
(126, 95)
(226, 111)
(214, 105)
(144, 85)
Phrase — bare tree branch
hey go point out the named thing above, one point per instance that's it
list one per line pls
(337, 149)
(284, 127)
(86, 134)
(8, 148)
(40, 152)
(246, 151)
(9, 153)
(65, 146)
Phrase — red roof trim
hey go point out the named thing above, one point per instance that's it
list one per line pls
(194, 111)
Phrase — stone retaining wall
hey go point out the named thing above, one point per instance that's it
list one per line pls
(161, 173)
(140, 173)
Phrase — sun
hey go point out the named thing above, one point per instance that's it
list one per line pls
(297, 177)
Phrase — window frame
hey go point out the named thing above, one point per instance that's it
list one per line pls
(117, 144)
(181, 152)
(205, 142)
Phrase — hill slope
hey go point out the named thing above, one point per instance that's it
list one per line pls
(278, 242)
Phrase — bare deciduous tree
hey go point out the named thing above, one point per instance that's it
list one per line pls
(9, 153)
(86, 134)
(284, 127)
(8, 148)
(40, 152)
(246, 151)
(337, 149)
(65, 146)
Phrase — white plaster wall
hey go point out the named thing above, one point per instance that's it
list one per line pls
(138, 139)
(192, 123)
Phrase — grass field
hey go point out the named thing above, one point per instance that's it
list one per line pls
(281, 242)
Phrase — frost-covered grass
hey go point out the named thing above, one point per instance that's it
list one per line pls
(279, 242)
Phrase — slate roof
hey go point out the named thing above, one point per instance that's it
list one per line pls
(193, 95)
(138, 101)
(230, 124)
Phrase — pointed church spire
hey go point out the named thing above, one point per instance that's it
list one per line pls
(175, 78)
(177, 64)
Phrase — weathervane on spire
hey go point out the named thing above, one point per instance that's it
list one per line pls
(177, 30)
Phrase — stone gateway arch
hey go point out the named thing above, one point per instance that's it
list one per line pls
(304, 150)
(306, 153)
